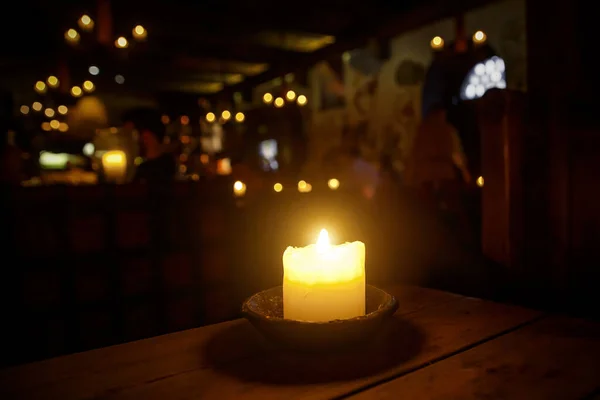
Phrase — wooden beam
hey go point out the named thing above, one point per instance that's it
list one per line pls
(230, 50)
(233, 18)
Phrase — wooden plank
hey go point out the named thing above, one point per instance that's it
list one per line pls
(554, 358)
(108, 369)
(420, 338)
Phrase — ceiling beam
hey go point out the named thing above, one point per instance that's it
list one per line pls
(195, 19)
(349, 39)
(230, 50)
(154, 64)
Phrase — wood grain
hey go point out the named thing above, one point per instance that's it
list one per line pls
(446, 329)
(230, 361)
(554, 358)
(112, 369)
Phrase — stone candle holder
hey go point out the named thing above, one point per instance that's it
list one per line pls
(264, 310)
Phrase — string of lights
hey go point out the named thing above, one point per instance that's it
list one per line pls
(73, 37)
(279, 102)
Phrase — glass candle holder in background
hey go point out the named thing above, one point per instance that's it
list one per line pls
(114, 163)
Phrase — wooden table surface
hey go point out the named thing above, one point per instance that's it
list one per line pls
(439, 346)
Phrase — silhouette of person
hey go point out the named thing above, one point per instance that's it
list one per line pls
(158, 165)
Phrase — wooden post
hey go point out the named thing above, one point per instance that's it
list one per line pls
(492, 115)
(561, 117)
(460, 40)
(500, 118)
(64, 75)
(104, 23)
(545, 147)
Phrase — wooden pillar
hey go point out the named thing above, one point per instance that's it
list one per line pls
(491, 111)
(500, 118)
(460, 40)
(104, 23)
(545, 167)
(64, 75)
(559, 129)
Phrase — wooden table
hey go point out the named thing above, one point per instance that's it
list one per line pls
(439, 346)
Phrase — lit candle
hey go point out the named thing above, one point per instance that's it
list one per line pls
(239, 189)
(115, 165)
(324, 282)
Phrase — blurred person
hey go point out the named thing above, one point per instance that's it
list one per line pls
(365, 173)
(158, 165)
(438, 166)
(389, 179)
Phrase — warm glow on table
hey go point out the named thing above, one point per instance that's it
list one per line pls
(324, 282)
(115, 165)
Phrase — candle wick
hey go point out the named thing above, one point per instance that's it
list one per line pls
(323, 241)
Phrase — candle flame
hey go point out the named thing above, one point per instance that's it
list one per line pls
(323, 241)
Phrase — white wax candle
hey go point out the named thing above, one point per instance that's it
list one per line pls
(115, 165)
(323, 282)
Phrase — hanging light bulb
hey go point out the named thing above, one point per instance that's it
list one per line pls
(63, 127)
(139, 32)
(40, 87)
(72, 36)
(52, 81)
(86, 23)
(479, 37)
(76, 91)
(267, 98)
(437, 43)
(94, 70)
(121, 43)
(88, 86)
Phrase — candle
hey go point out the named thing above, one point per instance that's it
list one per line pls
(324, 282)
(239, 189)
(115, 165)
